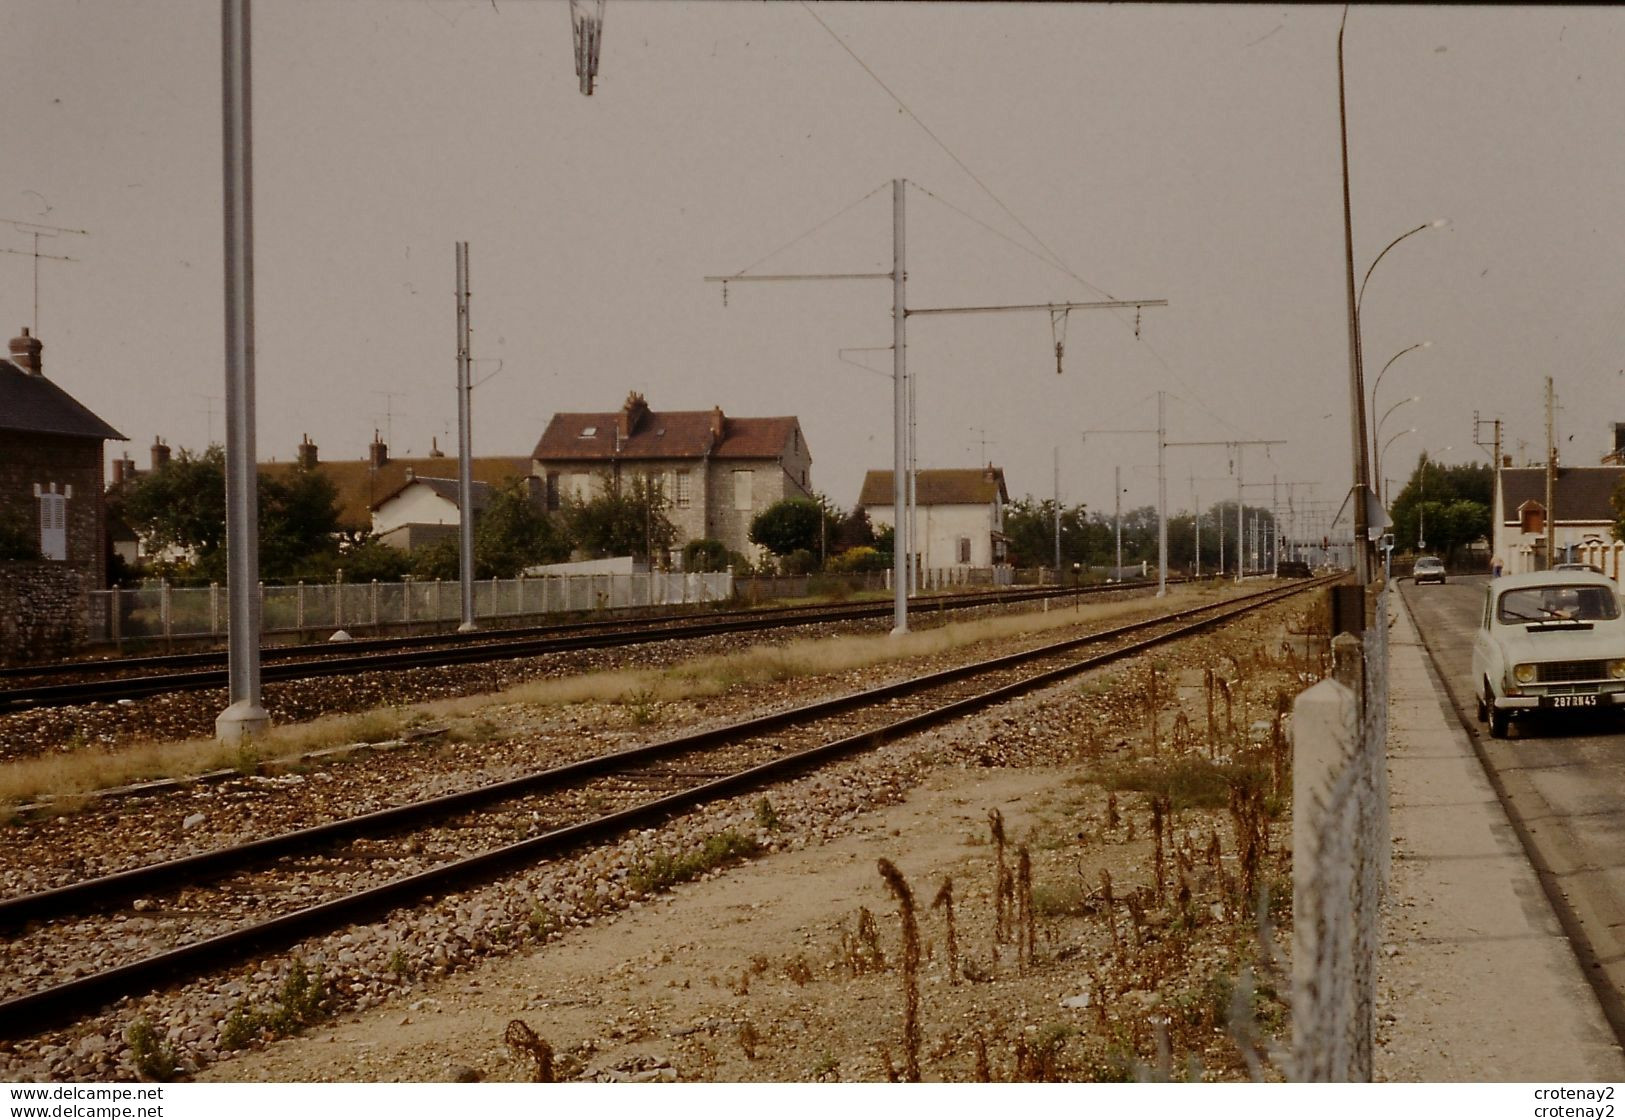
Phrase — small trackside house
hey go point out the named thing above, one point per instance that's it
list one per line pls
(51, 476)
(960, 522)
(421, 510)
(717, 472)
(1583, 513)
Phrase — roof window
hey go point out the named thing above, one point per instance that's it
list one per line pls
(588, 432)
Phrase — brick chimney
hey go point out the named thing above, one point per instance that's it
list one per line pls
(25, 353)
(632, 414)
(160, 453)
(434, 448)
(123, 470)
(719, 422)
(377, 451)
(307, 453)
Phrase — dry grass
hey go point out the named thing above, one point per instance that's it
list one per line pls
(89, 769)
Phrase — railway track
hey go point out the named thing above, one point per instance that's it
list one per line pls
(211, 907)
(43, 686)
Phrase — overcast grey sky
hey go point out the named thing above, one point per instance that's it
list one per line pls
(1185, 153)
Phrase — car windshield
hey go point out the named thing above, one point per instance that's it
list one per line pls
(1428, 562)
(1557, 603)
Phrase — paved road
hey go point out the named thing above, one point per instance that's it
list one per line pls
(1563, 781)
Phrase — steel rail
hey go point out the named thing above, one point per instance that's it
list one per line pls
(36, 1011)
(411, 653)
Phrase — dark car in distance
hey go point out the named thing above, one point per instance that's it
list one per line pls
(1428, 569)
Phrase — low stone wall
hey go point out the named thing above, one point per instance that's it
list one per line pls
(42, 612)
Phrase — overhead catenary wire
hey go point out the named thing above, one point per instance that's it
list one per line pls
(949, 152)
(814, 229)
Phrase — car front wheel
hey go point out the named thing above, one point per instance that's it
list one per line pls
(1500, 722)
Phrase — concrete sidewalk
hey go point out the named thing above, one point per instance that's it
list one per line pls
(1475, 981)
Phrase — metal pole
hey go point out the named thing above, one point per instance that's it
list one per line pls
(916, 560)
(900, 541)
(1057, 514)
(244, 716)
(1196, 504)
(1241, 521)
(1275, 526)
(1362, 466)
(1117, 485)
(1551, 478)
(1162, 495)
(465, 442)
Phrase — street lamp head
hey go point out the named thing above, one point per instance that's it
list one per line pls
(1438, 223)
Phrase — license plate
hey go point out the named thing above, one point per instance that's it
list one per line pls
(1586, 701)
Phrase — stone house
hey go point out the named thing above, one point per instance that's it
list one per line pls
(51, 476)
(960, 520)
(717, 472)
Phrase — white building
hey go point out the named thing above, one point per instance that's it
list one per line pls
(960, 523)
(1583, 518)
(421, 511)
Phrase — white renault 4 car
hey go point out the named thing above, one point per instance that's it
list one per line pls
(1548, 642)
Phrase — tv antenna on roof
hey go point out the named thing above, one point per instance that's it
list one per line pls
(37, 231)
(587, 26)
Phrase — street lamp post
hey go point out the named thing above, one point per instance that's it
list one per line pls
(1375, 385)
(1377, 435)
(1391, 439)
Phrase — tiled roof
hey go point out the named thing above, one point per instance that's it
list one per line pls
(30, 403)
(1579, 493)
(360, 485)
(574, 436)
(974, 486)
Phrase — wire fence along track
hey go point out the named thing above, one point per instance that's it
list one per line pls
(1340, 878)
(133, 677)
(78, 996)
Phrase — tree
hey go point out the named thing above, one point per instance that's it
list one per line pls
(1448, 507)
(629, 519)
(182, 506)
(298, 524)
(794, 525)
(1030, 525)
(705, 555)
(853, 531)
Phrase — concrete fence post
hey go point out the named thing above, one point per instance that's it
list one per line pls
(1348, 663)
(1332, 1017)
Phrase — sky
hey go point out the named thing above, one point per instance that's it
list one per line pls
(1058, 152)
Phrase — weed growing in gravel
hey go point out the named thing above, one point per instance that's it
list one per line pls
(642, 706)
(153, 1057)
(301, 1002)
(861, 951)
(663, 870)
(911, 967)
(525, 1045)
(767, 818)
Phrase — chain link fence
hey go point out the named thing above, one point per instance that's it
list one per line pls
(1340, 857)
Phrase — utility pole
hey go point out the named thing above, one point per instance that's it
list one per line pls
(1551, 481)
(900, 313)
(244, 717)
(465, 442)
(1357, 425)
